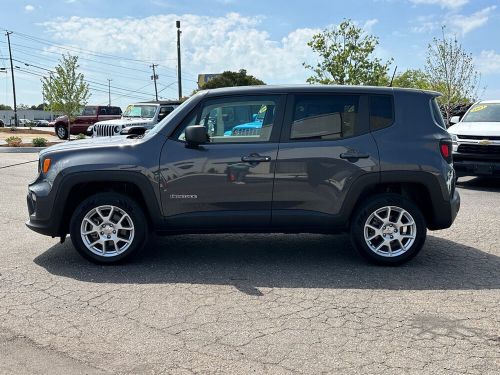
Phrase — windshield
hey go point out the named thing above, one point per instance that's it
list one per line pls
(172, 115)
(135, 110)
(487, 112)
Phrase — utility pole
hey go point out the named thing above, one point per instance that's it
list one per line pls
(109, 92)
(178, 24)
(154, 77)
(13, 81)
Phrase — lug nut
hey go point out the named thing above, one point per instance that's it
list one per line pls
(392, 237)
(395, 230)
(114, 232)
(109, 236)
(102, 233)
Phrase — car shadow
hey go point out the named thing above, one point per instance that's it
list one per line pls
(249, 262)
(480, 183)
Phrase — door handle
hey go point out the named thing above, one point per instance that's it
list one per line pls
(255, 158)
(353, 156)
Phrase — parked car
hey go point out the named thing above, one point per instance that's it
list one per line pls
(41, 123)
(24, 122)
(2, 124)
(373, 161)
(145, 115)
(476, 140)
(89, 116)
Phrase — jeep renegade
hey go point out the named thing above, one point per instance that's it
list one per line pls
(373, 161)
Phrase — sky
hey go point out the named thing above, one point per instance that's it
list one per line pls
(120, 40)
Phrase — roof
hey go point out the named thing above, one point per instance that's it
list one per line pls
(268, 89)
(171, 102)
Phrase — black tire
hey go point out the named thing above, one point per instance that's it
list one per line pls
(61, 131)
(370, 206)
(122, 202)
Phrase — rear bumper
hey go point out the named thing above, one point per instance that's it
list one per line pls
(476, 167)
(445, 213)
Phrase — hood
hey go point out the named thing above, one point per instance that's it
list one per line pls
(91, 143)
(127, 121)
(475, 128)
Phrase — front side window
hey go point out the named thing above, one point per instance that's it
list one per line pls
(89, 111)
(483, 112)
(324, 117)
(248, 119)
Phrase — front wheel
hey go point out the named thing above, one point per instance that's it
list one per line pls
(388, 229)
(61, 131)
(108, 227)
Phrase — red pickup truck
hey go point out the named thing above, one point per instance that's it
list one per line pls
(90, 115)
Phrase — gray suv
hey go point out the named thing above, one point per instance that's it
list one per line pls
(324, 159)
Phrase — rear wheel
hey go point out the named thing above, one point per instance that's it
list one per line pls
(389, 229)
(61, 131)
(108, 227)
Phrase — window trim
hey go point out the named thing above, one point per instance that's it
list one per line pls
(393, 111)
(275, 132)
(363, 120)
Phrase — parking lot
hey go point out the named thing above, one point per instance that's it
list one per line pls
(250, 303)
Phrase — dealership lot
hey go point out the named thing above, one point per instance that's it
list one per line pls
(251, 303)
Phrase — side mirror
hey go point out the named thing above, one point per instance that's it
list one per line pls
(133, 130)
(196, 135)
(454, 120)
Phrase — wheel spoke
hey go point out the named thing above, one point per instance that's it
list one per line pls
(404, 235)
(109, 241)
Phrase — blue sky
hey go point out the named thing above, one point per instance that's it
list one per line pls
(266, 37)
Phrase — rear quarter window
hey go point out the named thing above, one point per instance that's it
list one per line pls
(381, 111)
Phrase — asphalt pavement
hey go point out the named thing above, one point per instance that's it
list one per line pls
(239, 304)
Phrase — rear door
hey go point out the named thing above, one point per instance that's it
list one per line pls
(228, 182)
(326, 150)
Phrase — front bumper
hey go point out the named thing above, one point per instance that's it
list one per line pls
(474, 166)
(41, 210)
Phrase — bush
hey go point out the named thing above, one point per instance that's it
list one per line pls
(39, 142)
(14, 141)
(13, 128)
(80, 136)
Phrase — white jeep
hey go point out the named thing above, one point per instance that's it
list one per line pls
(146, 115)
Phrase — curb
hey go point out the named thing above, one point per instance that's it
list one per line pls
(20, 150)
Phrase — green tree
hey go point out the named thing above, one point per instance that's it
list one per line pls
(413, 78)
(4, 107)
(452, 72)
(39, 107)
(346, 57)
(230, 79)
(66, 90)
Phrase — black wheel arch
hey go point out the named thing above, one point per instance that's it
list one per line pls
(76, 187)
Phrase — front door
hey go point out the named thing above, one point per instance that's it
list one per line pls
(226, 183)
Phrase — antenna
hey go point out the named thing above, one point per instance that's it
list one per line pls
(393, 74)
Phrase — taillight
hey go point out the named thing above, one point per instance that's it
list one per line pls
(445, 147)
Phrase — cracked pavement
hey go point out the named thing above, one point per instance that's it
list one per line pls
(234, 304)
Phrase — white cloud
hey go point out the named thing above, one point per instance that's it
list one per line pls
(209, 44)
(465, 24)
(368, 25)
(488, 62)
(456, 23)
(29, 8)
(451, 4)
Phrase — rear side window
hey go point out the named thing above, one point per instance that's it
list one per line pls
(324, 117)
(381, 111)
(436, 113)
